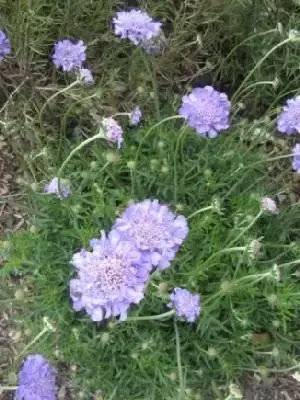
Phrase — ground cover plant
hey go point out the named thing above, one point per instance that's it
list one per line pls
(194, 190)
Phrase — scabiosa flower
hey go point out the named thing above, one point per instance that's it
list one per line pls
(135, 116)
(61, 192)
(4, 45)
(36, 379)
(113, 131)
(296, 158)
(206, 110)
(110, 278)
(69, 55)
(289, 120)
(135, 25)
(269, 205)
(86, 76)
(154, 229)
(185, 304)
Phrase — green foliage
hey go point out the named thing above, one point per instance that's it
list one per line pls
(250, 305)
(241, 296)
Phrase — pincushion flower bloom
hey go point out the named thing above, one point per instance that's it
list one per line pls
(135, 116)
(154, 229)
(185, 304)
(113, 131)
(110, 278)
(206, 110)
(4, 45)
(61, 192)
(36, 379)
(269, 205)
(288, 121)
(296, 158)
(68, 55)
(135, 25)
(86, 76)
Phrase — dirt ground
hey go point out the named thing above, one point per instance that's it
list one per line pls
(11, 218)
(278, 387)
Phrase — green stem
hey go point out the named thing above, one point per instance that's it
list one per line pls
(150, 71)
(260, 62)
(229, 248)
(201, 210)
(179, 139)
(52, 98)
(247, 228)
(151, 129)
(8, 388)
(179, 365)
(220, 69)
(45, 330)
(99, 135)
(152, 317)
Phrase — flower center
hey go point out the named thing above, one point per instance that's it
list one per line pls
(110, 274)
(149, 234)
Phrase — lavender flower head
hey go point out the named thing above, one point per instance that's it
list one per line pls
(110, 278)
(4, 45)
(61, 192)
(289, 120)
(36, 380)
(269, 205)
(113, 131)
(155, 231)
(86, 76)
(296, 158)
(135, 116)
(69, 55)
(185, 304)
(206, 110)
(135, 25)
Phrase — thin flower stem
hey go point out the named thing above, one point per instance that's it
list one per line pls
(151, 129)
(152, 317)
(124, 114)
(179, 365)
(247, 228)
(289, 263)
(179, 139)
(53, 97)
(45, 330)
(257, 65)
(201, 210)
(99, 135)
(150, 70)
(8, 388)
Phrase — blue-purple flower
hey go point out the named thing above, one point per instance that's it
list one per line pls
(135, 25)
(113, 131)
(110, 278)
(36, 379)
(296, 158)
(154, 229)
(61, 191)
(288, 121)
(68, 55)
(206, 110)
(86, 76)
(135, 116)
(185, 304)
(4, 45)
